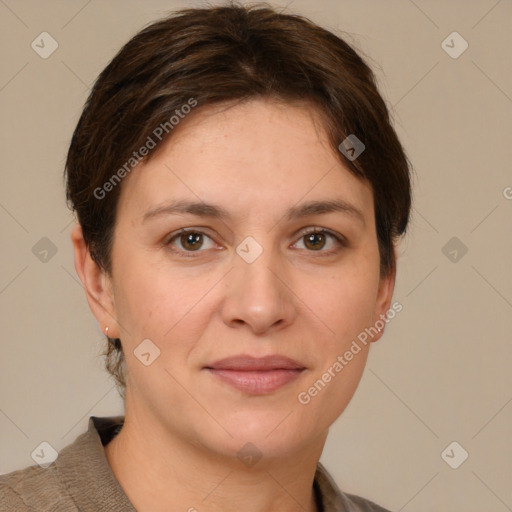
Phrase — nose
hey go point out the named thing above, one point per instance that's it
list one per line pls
(259, 295)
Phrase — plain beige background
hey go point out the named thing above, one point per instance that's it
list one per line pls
(442, 371)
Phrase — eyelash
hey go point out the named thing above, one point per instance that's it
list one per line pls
(340, 239)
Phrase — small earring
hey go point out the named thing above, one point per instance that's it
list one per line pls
(106, 331)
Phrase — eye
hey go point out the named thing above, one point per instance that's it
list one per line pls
(321, 240)
(190, 240)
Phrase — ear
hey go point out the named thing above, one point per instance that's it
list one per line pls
(97, 285)
(383, 302)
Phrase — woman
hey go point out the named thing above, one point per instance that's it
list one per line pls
(239, 191)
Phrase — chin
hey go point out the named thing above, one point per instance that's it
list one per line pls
(272, 434)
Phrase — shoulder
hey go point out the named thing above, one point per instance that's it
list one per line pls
(359, 504)
(34, 489)
(79, 478)
(332, 499)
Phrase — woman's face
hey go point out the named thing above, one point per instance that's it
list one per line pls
(249, 279)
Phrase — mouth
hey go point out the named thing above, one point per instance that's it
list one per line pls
(256, 376)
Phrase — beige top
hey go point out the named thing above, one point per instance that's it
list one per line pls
(80, 480)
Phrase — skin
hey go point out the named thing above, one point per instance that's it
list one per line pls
(184, 426)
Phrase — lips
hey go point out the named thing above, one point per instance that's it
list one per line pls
(249, 363)
(254, 375)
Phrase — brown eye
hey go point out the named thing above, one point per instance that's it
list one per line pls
(314, 241)
(322, 241)
(191, 241)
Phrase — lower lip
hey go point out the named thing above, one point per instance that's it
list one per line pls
(257, 382)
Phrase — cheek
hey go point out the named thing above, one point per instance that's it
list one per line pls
(156, 303)
(345, 302)
(326, 395)
(346, 306)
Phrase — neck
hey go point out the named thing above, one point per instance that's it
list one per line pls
(159, 472)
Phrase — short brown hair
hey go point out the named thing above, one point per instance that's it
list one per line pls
(222, 54)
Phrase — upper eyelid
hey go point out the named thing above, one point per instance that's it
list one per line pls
(318, 229)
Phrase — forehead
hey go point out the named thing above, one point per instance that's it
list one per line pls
(250, 157)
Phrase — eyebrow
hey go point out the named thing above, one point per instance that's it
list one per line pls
(202, 209)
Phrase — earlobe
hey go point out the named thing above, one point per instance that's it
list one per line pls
(383, 303)
(96, 283)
